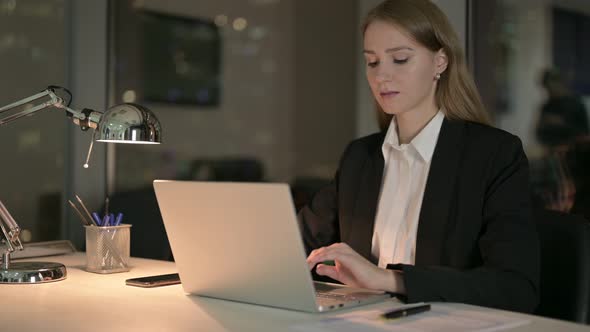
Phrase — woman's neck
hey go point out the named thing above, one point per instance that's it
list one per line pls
(409, 124)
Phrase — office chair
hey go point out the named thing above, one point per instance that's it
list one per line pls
(140, 208)
(565, 266)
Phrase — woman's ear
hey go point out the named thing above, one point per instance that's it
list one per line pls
(441, 61)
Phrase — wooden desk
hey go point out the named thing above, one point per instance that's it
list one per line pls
(94, 302)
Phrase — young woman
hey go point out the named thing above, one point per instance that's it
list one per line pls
(436, 208)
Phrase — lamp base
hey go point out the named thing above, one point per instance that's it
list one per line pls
(32, 273)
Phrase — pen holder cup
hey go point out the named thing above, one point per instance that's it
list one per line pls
(107, 248)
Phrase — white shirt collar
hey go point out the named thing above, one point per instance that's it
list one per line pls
(424, 142)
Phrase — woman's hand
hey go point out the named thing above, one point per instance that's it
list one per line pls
(352, 269)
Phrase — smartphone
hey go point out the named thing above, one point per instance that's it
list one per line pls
(154, 281)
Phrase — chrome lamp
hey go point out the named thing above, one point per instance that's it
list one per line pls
(124, 123)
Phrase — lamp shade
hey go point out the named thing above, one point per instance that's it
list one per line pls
(129, 123)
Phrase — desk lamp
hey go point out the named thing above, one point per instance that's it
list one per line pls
(124, 123)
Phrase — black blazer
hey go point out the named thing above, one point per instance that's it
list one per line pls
(476, 241)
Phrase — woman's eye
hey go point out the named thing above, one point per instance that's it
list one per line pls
(400, 61)
(372, 64)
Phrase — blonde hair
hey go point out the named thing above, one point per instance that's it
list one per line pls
(456, 92)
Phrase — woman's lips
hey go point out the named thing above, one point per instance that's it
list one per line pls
(389, 94)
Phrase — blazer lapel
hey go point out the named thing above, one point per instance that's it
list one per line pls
(439, 193)
(363, 220)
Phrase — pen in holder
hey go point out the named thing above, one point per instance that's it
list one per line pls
(107, 248)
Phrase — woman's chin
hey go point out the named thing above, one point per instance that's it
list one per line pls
(391, 111)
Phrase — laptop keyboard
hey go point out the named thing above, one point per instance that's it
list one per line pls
(328, 291)
(331, 296)
(332, 301)
(335, 296)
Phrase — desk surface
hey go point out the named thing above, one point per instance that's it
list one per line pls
(94, 302)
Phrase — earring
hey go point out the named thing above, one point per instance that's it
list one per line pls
(437, 76)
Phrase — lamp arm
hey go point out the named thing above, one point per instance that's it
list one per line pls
(86, 118)
(10, 229)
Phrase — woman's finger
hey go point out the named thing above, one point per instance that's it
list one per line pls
(328, 271)
(329, 253)
(325, 258)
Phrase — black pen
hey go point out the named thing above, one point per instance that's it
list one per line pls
(406, 311)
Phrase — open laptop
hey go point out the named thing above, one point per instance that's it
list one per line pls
(241, 242)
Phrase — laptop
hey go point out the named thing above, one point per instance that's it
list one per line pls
(241, 242)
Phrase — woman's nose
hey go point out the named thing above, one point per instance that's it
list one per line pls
(383, 75)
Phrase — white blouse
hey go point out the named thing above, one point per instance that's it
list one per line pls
(402, 189)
